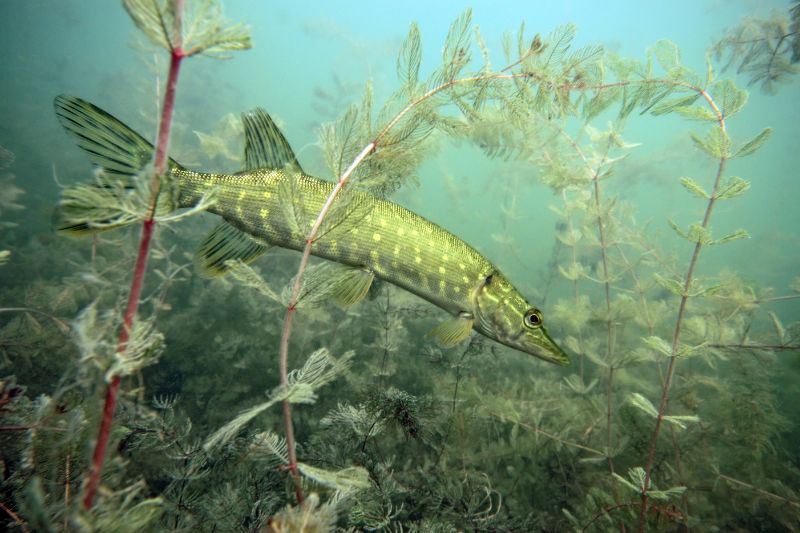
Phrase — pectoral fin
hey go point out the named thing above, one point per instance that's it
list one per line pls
(224, 243)
(453, 331)
(352, 287)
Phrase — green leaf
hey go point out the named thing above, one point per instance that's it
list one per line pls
(269, 447)
(247, 276)
(753, 144)
(735, 236)
(410, 57)
(780, 331)
(574, 272)
(204, 29)
(578, 524)
(637, 478)
(658, 344)
(697, 288)
(696, 112)
(716, 142)
(693, 187)
(680, 420)
(674, 104)
(600, 102)
(664, 495)
(570, 238)
(709, 69)
(676, 228)
(699, 234)
(575, 383)
(708, 291)
(143, 349)
(732, 188)
(643, 403)
(320, 368)
(672, 285)
(596, 359)
(348, 480)
(667, 54)
(688, 351)
(455, 54)
(729, 98)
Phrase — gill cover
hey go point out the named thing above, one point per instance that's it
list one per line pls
(502, 314)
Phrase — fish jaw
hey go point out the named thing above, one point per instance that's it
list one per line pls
(503, 314)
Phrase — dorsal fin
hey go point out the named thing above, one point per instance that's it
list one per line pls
(264, 144)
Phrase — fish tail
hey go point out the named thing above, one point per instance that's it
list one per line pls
(120, 153)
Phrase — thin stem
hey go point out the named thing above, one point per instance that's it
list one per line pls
(67, 481)
(15, 517)
(749, 346)
(608, 510)
(763, 492)
(137, 281)
(609, 324)
(676, 337)
(292, 308)
(62, 325)
(551, 436)
(778, 298)
(28, 427)
(601, 230)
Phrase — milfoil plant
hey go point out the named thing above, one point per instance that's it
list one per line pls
(661, 422)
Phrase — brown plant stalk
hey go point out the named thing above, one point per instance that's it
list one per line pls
(676, 337)
(137, 280)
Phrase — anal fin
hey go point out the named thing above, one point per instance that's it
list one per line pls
(453, 331)
(227, 243)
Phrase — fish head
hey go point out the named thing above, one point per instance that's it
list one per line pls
(503, 314)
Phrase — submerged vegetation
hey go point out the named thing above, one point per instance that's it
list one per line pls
(765, 50)
(671, 417)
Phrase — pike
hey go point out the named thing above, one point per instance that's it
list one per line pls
(265, 205)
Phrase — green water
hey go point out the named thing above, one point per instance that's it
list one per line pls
(476, 437)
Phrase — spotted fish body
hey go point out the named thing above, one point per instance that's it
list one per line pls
(396, 244)
(273, 203)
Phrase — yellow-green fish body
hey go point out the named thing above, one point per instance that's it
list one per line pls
(273, 203)
(396, 244)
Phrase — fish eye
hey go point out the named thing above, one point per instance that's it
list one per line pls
(533, 318)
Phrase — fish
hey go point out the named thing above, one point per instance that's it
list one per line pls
(272, 202)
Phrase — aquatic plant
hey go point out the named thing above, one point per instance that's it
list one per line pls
(765, 50)
(670, 418)
(202, 33)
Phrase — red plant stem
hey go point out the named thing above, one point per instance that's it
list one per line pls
(676, 338)
(290, 311)
(14, 516)
(160, 166)
(160, 162)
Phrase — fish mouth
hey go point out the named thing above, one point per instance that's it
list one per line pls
(546, 348)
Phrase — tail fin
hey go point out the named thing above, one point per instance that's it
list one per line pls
(118, 150)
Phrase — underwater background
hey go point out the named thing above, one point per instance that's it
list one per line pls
(593, 211)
